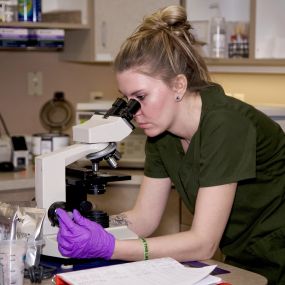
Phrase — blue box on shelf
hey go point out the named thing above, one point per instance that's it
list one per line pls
(46, 38)
(14, 37)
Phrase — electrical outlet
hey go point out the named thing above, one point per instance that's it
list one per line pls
(35, 83)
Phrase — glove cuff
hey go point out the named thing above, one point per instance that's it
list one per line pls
(109, 246)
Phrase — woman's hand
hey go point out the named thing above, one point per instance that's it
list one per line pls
(82, 238)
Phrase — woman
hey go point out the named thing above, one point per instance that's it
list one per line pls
(225, 158)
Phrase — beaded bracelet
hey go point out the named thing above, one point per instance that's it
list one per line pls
(145, 248)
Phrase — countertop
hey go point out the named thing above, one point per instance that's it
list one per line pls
(15, 180)
(25, 179)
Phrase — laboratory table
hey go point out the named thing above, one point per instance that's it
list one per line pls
(24, 180)
(236, 276)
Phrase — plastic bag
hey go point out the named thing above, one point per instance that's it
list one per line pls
(23, 223)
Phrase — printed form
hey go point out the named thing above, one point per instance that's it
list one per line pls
(161, 271)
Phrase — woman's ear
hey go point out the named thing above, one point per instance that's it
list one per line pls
(179, 86)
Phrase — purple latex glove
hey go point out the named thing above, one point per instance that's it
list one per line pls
(82, 238)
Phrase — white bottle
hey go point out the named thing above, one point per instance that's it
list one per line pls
(218, 36)
(11, 11)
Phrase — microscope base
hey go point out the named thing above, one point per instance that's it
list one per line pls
(50, 247)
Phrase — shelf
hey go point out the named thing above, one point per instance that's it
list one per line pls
(44, 25)
(245, 65)
(32, 49)
(246, 62)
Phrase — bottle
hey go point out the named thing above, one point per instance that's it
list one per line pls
(37, 10)
(29, 10)
(218, 37)
(9, 11)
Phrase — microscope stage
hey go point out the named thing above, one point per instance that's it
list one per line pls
(100, 177)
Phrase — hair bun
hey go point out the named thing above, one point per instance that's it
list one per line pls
(172, 18)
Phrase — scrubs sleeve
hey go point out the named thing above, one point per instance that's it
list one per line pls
(228, 149)
(154, 166)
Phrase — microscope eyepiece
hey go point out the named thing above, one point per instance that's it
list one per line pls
(130, 110)
(116, 108)
(123, 109)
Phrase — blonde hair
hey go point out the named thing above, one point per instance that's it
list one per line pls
(164, 46)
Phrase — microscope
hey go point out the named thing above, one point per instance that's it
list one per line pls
(61, 183)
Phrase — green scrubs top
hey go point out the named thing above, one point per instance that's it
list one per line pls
(234, 143)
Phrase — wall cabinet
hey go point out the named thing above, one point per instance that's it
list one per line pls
(265, 33)
(106, 24)
(111, 22)
(47, 34)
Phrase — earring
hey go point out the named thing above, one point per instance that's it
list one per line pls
(177, 99)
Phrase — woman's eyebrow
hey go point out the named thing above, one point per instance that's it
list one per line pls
(135, 93)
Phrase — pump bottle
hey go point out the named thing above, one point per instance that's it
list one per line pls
(218, 37)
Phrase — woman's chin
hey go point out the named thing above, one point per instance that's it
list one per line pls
(151, 132)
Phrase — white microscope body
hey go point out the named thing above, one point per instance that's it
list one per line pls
(92, 136)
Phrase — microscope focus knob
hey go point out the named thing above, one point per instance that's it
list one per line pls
(112, 161)
(117, 155)
(52, 212)
(113, 158)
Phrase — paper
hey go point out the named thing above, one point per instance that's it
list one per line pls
(161, 271)
(198, 264)
(209, 280)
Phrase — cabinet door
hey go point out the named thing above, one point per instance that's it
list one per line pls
(270, 32)
(112, 22)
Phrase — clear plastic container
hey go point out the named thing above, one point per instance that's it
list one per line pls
(218, 37)
(12, 257)
(9, 11)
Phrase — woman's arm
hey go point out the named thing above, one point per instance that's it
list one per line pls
(213, 207)
(146, 214)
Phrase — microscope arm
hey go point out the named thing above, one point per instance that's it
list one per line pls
(94, 135)
(50, 175)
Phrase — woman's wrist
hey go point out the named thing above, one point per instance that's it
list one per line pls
(131, 250)
(145, 248)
